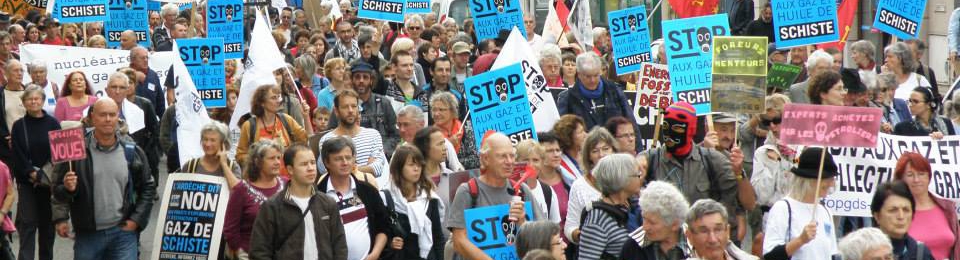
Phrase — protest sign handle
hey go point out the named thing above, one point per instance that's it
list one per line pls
(816, 194)
(292, 79)
(70, 165)
(654, 10)
(736, 132)
(709, 122)
(656, 129)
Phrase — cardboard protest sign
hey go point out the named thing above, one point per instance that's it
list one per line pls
(739, 74)
(225, 20)
(96, 63)
(630, 38)
(67, 145)
(21, 7)
(417, 7)
(204, 59)
(863, 169)
(490, 230)
(689, 55)
(653, 86)
(384, 10)
(192, 212)
(901, 18)
(80, 11)
(492, 16)
(834, 126)
(127, 15)
(498, 101)
(803, 22)
(542, 104)
(781, 76)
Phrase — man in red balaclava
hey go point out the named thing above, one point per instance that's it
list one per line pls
(700, 173)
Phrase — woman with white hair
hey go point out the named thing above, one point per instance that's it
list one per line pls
(603, 232)
(900, 61)
(797, 227)
(867, 244)
(661, 236)
(550, 62)
(215, 161)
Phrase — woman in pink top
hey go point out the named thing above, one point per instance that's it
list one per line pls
(74, 98)
(934, 220)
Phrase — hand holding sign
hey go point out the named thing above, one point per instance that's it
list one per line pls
(70, 181)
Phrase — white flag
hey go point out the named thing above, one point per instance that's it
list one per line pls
(542, 105)
(552, 28)
(263, 58)
(191, 113)
(133, 116)
(581, 24)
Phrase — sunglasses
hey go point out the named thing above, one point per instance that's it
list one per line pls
(775, 120)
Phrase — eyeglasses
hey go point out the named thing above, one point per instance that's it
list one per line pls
(717, 231)
(600, 149)
(768, 122)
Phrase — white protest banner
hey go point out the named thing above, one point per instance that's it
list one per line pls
(97, 64)
(863, 169)
(542, 105)
(191, 112)
(192, 211)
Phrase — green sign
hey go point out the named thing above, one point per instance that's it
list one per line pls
(739, 74)
(781, 76)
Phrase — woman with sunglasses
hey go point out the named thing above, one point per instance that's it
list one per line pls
(772, 161)
(925, 122)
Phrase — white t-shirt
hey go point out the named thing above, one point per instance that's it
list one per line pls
(823, 246)
(309, 233)
(915, 80)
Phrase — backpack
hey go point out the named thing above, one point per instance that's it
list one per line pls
(653, 161)
(253, 126)
(193, 165)
(475, 190)
(547, 195)
(617, 214)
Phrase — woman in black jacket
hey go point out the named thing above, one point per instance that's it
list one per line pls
(416, 208)
(31, 148)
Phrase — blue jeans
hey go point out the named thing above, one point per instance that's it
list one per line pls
(111, 243)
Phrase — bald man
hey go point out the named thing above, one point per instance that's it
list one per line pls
(128, 40)
(496, 164)
(150, 88)
(106, 213)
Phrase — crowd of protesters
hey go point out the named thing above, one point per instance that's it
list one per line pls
(350, 154)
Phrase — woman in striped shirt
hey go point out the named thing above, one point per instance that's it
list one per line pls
(604, 225)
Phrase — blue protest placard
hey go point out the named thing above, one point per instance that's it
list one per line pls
(156, 5)
(489, 229)
(417, 7)
(498, 101)
(80, 11)
(689, 43)
(384, 10)
(901, 18)
(630, 38)
(204, 60)
(225, 20)
(803, 22)
(127, 15)
(491, 16)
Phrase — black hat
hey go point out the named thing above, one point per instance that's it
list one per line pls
(810, 160)
(361, 66)
(851, 80)
(772, 48)
(4, 18)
